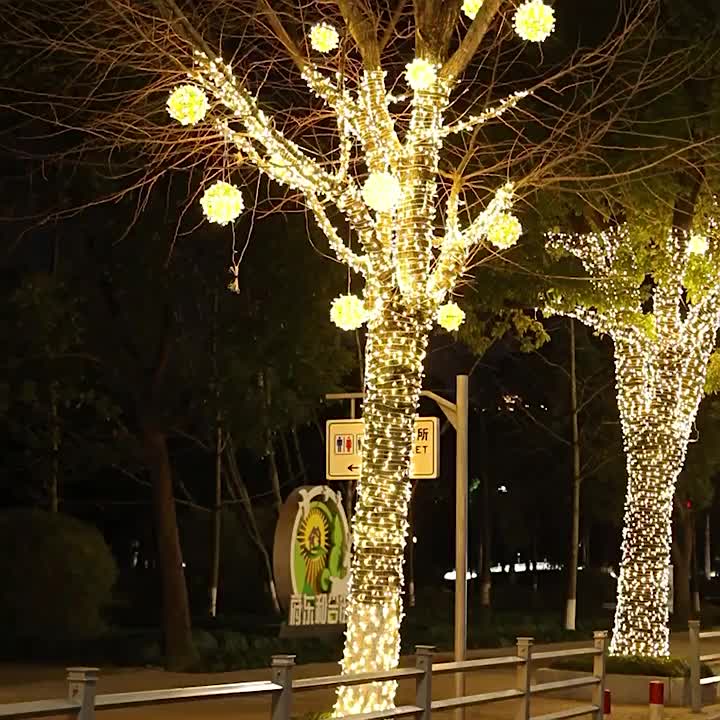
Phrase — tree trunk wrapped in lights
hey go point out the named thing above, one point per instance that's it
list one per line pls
(388, 157)
(661, 359)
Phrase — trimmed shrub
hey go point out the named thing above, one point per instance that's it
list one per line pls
(636, 665)
(57, 576)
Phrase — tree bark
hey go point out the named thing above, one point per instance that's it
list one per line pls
(179, 649)
(396, 346)
(217, 521)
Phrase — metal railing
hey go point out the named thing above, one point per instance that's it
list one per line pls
(696, 660)
(83, 702)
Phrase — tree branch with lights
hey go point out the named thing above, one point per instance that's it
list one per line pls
(657, 290)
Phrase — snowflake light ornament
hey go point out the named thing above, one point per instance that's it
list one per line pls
(222, 203)
(471, 7)
(324, 37)
(698, 244)
(420, 74)
(450, 316)
(382, 192)
(504, 231)
(348, 312)
(534, 20)
(187, 104)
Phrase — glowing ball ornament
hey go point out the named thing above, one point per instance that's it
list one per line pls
(222, 203)
(187, 104)
(382, 192)
(348, 312)
(420, 74)
(534, 20)
(450, 316)
(471, 7)
(324, 37)
(504, 231)
(698, 245)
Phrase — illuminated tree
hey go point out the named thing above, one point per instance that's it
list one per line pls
(657, 289)
(408, 175)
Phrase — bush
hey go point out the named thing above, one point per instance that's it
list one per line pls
(56, 580)
(637, 665)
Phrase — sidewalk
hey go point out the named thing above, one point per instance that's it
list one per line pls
(21, 683)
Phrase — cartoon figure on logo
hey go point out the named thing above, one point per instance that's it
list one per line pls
(320, 546)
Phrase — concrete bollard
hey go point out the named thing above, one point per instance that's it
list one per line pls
(657, 699)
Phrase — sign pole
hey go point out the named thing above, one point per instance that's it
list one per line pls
(461, 532)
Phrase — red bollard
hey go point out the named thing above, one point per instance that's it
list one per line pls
(607, 703)
(657, 699)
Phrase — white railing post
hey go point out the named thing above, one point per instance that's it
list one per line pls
(282, 672)
(82, 686)
(423, 683)
(524, 676)
(599, 663)
(695, 689)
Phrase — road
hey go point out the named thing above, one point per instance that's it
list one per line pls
(20, 683)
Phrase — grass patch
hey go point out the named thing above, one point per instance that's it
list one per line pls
(658, 667)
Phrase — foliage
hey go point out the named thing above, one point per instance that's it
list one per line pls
(58, 577)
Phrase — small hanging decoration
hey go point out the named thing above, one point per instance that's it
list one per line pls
(382, 192)
(324, 37)
(222, 203)
(348, 312)
(504, 231)
(450, 316)
(420, 74)
(534, 20)
(187, 104)
(698, 244)
(471, 7)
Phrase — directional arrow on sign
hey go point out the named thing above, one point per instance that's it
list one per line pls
(353, 467)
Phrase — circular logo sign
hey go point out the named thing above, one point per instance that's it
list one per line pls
(311, 552)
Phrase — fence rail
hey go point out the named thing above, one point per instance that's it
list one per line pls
(83, 702)
(696, 660)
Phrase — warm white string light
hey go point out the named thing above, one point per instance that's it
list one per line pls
(661, 360)
(408, 277)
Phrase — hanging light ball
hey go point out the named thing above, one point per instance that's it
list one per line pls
(187, 104)
(450, 316)
(348, 312)
(420, 74)
(471, 7)
(222, 203)
(534, 20)
(324, 37)
(382, 192)
(698, 244)
(505, 231)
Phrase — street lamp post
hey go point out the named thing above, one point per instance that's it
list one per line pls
(457, 415)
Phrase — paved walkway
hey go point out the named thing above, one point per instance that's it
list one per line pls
(21, 683)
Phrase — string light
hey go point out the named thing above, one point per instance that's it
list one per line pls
(324, 37)
(450, 316)
(420, 74)
(505, 231)
(472, 7)
(187, 104)
(222, 203)
(348, 312)
(382, 192)
(393, 217)
(661, 360)
(534, 21)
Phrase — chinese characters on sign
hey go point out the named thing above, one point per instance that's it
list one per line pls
(344, 441)
(320, 609)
